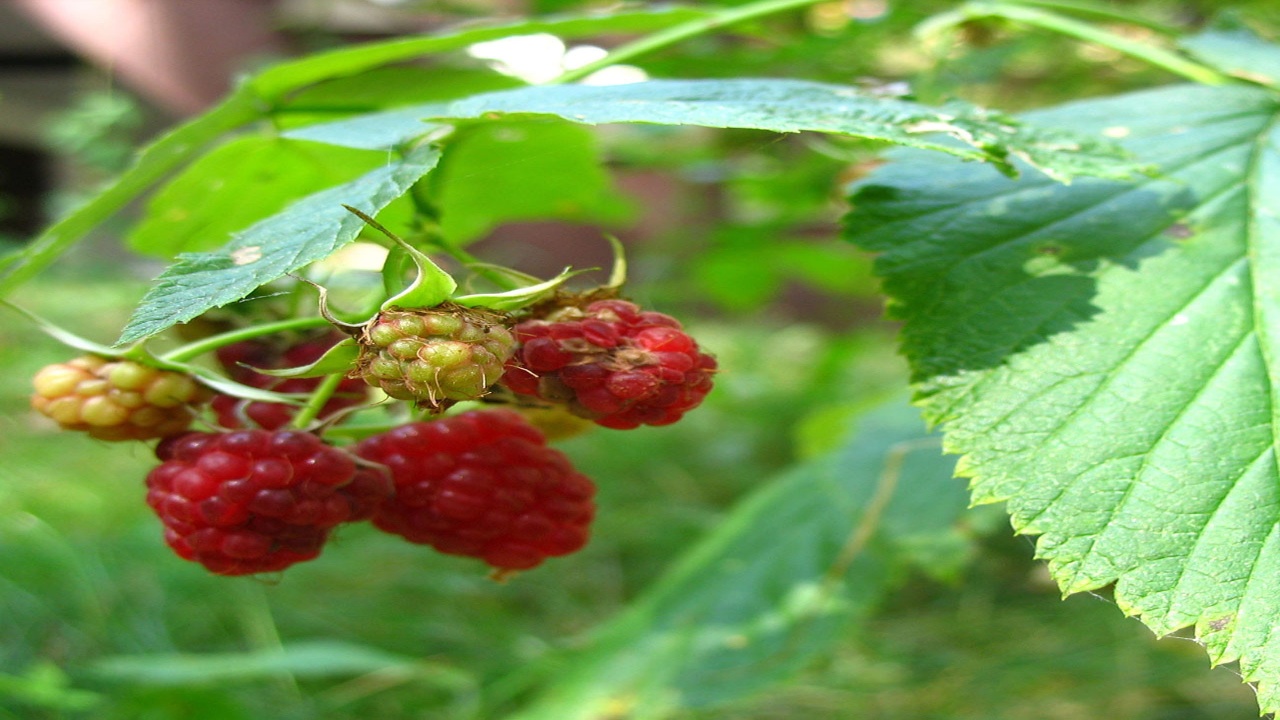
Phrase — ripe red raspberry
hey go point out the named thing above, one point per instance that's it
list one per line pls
(235, 412)
(482, 484)
(253, 501)
(117, 399)
(612, 363)
(437, 356)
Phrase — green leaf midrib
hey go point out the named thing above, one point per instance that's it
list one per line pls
(1269, 356)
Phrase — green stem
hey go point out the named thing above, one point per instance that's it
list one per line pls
(359, 432)
(670, 36)
(1082, 7)
(213, 342)
(316, 402)
(1158, 57)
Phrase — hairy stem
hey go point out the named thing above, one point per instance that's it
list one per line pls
(213, 342)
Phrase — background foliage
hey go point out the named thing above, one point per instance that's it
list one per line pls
(795, 548)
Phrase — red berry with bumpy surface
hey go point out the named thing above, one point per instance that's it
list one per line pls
(117, 399)
(612, 363)
(435, 357)
(240, 358)
(253, 501)
(482, 484)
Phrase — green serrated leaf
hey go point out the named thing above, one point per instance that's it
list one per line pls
(382, 130)
(1105, 355)
(773, 586)
(237, 184)
(782, 105)
(384, 87)
(307, 230)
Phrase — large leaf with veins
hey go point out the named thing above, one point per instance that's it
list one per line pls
(1106, 355)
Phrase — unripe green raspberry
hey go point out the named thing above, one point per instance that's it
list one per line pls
(117, 399)
(435, 356)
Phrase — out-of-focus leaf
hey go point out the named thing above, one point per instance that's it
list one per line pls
(776, 583)
(747, 276)
(1238, 51)
(316, 659)
(45, 686)
(501, 172)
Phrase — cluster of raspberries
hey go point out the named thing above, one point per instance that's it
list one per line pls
(482, 484)
(256, 496)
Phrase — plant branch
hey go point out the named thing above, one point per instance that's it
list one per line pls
(670, 36)
(1152, 55)
(1098, 10)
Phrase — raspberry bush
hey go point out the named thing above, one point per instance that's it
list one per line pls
(388, 331)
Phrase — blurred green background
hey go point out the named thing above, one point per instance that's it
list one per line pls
(99, 620)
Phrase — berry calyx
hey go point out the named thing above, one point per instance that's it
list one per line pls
(482, 484)
(253, 501)
(435, 357)
(117, 399)
(239, 359)
(612, 363)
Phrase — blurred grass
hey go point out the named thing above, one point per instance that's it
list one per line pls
(378, 628)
